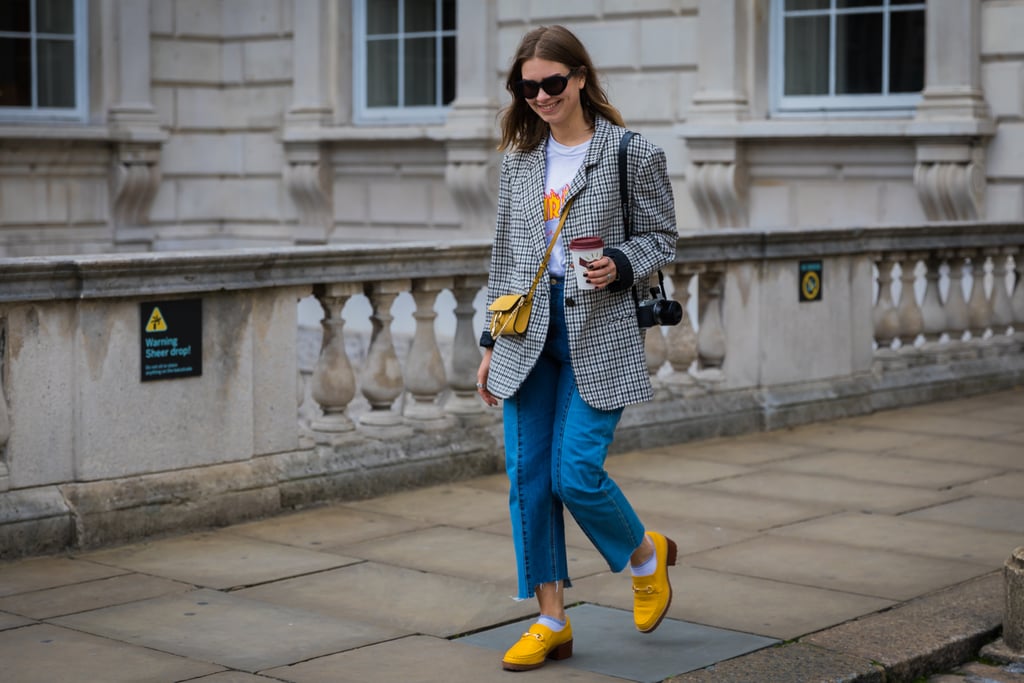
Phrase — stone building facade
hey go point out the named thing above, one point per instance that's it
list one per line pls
(196, 124)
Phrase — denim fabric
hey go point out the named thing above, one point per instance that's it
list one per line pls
(555, 448)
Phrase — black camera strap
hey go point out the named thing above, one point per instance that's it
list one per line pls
(624, 195)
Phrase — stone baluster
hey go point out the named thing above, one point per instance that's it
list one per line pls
(333, 383)
(1017, 300)
(465, 349)
(682, 338)
(933, 317)
(711, 334)
(884, 316)
(979, 308)
(381, 377)
(956, 304)
(1002, 312)
(909, 313)
(425, 378)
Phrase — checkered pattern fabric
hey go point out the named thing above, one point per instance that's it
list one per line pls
(605, 342)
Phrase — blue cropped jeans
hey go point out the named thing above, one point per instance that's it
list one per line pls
(555, 448)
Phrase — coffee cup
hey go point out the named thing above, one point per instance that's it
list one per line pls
(582, 251)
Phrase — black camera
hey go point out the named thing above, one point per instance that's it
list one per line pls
(658, 310)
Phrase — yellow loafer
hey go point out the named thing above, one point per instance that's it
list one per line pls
(653, 594)
(537, 646)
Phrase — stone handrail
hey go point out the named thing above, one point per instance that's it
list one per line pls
(89, 454)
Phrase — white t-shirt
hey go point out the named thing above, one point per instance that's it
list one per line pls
(562, 164)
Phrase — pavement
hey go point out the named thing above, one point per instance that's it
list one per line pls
(862, 549)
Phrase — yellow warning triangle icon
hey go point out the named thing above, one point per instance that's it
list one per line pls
(156, 321)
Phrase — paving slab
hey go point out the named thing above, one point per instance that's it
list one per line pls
(809, 488)
(236, 632)
(46, 653)
(719, 508)
(752, 449)
(938, 631)
(425, 660)
(886, 469)
(233, 677)
(739, 603)
(416, 601)
(1010, 485)
(831, 435)
(998, 514)
(605, 641)
(326, 528)
(669, 469)
(218, 560)
(466, 553)
(452, 504)
(8, 620)
(984, 452)
(38, 573)
(89, 595)
(909, 535)
(865, 571)
(954, 425)
(793, 662)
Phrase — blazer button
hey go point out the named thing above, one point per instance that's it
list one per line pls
(569, 301)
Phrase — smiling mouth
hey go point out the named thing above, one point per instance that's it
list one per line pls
(547, 108)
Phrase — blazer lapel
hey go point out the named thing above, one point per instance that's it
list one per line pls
(531, 191)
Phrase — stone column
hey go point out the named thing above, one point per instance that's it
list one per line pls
(933, 318)
(381, 378)
(424, 369)
(333, 382)
(1017, 300)
(5, 420)
(911, 319)
(884, 315)
(133, 121)
(956, 304)
(471, 172)
(717, 177)
(1002, 311)
(1013, 620)
(950, 172)
(465, 349)
(711, 335)
(979, 308)
(682, 338)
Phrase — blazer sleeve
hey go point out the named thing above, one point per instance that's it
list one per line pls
(502, 259)
(652, 243)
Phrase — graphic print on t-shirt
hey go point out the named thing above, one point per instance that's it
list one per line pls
(553, 208)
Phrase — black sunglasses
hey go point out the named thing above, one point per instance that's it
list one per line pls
(552, 85)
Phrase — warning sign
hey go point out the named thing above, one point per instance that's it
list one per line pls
(171, 339)
(156, 321)
(810, 281)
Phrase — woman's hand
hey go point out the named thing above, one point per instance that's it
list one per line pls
(481, 379)
(602, 272)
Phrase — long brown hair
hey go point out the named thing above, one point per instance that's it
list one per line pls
(521, 128)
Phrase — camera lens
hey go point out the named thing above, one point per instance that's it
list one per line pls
(668, 312)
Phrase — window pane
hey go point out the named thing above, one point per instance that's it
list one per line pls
(15, 15)
(420, 15)
(382, 73)
(15, 72)
(448, 69)
(55, 16)
(845, 4)
(806, 69)
(906, 2)
(906, 52)
(56, 71)
(381, 17)
(859, 53)
(806, 4)
(448, 15)
(420, 72)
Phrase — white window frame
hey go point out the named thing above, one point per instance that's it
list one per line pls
(80, 111)
(414, 114)
(883, 104)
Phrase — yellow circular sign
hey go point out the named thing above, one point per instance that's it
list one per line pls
(811, 285)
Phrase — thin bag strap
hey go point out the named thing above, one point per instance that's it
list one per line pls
(551, 245)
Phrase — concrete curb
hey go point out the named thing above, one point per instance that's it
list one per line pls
(927, 635)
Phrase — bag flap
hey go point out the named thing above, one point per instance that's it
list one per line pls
(506, 303)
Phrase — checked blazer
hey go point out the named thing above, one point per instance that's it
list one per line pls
(605, 343)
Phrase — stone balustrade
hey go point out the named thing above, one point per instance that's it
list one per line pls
(89, 454)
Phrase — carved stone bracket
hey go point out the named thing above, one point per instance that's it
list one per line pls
(950, 181)
(717, 181)
(135, 179)
(307, 176)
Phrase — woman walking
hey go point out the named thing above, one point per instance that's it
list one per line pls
(566, 380)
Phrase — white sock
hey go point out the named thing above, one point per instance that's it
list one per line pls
(647, 568)
(552, 623)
